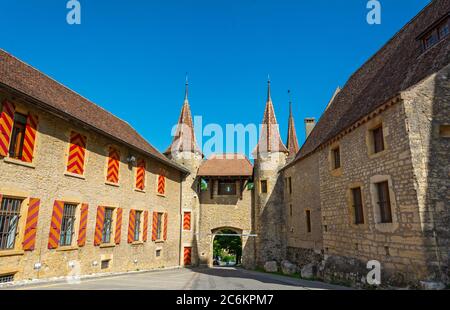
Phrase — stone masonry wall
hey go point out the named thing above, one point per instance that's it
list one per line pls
(45, 179)
(427, 107)
(399, 246)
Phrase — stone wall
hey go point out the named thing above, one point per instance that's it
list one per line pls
(45, 179)
(399, 245)
(270, 209)
(225, 212)
(427, 107)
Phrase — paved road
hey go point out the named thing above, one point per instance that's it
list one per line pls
(187, 279)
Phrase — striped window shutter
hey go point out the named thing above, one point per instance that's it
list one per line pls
(155, 226)
(166, 222)
(30, 138)
(55, 224)
(6, 125)
(140, 174)
(131, 225)
(83, 225)
(187, 221)
(118, 232)
(113, 166)
(161, 184)
(99, 225)
(77, 153)
(29, 238)
(145, 232)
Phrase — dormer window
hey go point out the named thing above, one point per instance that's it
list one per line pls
(436, 33)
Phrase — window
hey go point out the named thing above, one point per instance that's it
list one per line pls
(357, 206)
(378, 142)
(140, 175)
(77, 152)
(137, 226)
(159, 226)
(336, 158)
(227, 187)
(112, 175)
(104, 264)
(290, 210)
(290, 185)
(107, 225)
(9, 219)
(444, 131)
(161, 185)
(67, 224)
(158, 253)
(384, 202)
(7, 278)
(264, 186)
(187, 221)
(308, 221)
(436, 34)
(17, 136)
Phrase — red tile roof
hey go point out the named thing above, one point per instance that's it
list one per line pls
(225, 165)
(51, 95)
(292, 141)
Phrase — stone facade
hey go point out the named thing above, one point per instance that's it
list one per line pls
(45, 178)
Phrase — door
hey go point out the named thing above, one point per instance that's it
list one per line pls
(187, 256)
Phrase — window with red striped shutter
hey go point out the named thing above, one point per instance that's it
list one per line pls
(77, 153)
(112, 174)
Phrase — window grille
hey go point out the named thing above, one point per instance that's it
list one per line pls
(67, 225)
(107, 226)
(9, 219)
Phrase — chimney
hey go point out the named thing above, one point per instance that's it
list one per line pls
(309, 125)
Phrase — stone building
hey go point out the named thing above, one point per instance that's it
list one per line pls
(81, 192)
(371, 181)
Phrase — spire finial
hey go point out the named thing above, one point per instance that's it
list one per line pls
(186, 92)
(269, 98)
(290, 102)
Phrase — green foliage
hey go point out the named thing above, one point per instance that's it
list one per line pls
(228, 248)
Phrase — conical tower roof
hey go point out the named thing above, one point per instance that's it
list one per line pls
(270, 140)
(184, 138)
(292, 141)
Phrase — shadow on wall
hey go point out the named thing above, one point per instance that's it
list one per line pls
(437, 199)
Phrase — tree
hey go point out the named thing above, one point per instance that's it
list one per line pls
(230, 244)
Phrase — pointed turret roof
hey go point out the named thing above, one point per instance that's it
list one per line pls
(270, 140)
(184, 138)
(292, 141)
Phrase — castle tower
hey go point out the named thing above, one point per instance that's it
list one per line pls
(292, 141)
(270, 156)
(184, 151)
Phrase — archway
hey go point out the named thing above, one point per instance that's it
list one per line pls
(227, 247)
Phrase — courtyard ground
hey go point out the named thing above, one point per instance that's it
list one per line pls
(187, 279)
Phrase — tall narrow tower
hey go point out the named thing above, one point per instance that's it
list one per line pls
(292, 141)
(270, 156)
(184, 151)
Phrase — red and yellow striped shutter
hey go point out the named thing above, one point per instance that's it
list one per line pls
(112, 174)
(145, 231)
(131, 226)
(166, 222)
(55, 224)
(99, 225)
(140, 174)
(30, 138)
(6, 126)
(77, 153)
(29, 238)
(187, 256)
(155, 226)
(118, 232)
(161, 184)
(83, 225)
(187, 221)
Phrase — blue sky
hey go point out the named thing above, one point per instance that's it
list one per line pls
(130, 57)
